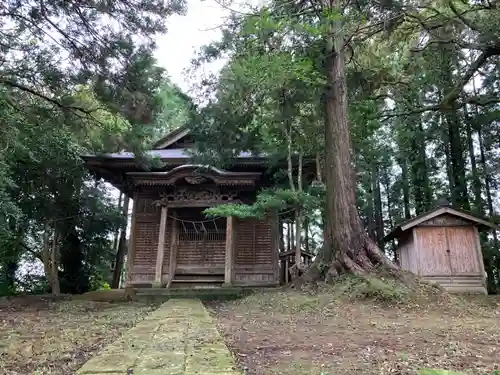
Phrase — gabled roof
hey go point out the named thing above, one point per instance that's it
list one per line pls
(171, 138)
(438, 211)
(174, 153)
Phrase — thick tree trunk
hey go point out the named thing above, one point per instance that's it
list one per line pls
(120, 254)
(348, 249)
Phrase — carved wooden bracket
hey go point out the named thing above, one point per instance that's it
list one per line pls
(196, 198)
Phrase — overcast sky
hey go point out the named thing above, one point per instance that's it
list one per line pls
(186, 34)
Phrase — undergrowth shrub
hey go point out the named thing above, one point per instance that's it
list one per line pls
(371, 287)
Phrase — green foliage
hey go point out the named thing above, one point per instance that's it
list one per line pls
(176, 110)
(74, 79)
(423, 105)
(268, 202)
(105, 286)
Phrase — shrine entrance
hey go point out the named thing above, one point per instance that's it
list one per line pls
(200, 247)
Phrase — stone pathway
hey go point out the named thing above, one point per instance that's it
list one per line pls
(180, 338)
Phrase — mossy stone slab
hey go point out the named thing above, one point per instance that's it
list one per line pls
(109, 362)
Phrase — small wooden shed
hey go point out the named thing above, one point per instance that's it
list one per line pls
(442, 246)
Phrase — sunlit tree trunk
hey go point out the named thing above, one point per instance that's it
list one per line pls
(120, 254)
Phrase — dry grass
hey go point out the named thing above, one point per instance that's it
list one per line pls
(39, 336)
(327, 333)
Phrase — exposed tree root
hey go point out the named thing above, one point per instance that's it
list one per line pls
(365, 261)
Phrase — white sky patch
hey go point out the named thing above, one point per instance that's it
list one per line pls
(187, 34)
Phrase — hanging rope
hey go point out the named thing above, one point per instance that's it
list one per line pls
(194, 221)
(213, 220)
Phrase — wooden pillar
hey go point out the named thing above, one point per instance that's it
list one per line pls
(286, 270)
(161, 247)
(480, 259)
(229, 269)
(172, 264)
(275, 247)
(131, 240)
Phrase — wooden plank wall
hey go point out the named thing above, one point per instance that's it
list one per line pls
(407, 258)
(464, 257)
(147, 227)
(256, 254)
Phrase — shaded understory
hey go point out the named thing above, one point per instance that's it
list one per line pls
(56, 337)
(295, 333)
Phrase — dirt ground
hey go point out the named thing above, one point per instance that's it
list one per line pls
(297, 334)
(40, 336)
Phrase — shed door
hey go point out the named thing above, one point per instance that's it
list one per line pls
(432, 249)
(462, 246)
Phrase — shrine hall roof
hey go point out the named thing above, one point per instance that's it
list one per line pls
(174, 153)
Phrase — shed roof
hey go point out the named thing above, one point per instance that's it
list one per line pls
(438, 211)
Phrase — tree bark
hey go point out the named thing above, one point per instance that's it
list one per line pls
(476, 181)
(458, 184)
(306, 234)
(46, 254)
(377, 201)
(298, 250)
(56, 289)
(406, 188)
(419, 169)
(348, 248)
(120, 254)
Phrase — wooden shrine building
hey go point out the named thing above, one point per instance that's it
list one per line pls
(442, 246)
(171, 241)
(287, 264)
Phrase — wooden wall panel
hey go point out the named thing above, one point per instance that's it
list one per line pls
(201, 254)
(406, 254)
(463, 254)
(432, 255)
(147, 228)
(255, 257)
